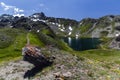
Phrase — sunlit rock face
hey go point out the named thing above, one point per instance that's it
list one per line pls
(31, 50)
(33, 55)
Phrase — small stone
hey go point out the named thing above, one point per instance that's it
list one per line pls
(68, 74)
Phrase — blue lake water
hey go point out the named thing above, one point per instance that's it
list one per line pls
(81, 44)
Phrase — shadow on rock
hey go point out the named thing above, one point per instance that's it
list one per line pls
(39, 62)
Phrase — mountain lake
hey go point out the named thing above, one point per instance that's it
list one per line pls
(81, 44)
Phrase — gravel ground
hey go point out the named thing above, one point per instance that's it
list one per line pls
(14, 70)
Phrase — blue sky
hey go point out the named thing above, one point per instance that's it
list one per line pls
(73, 9)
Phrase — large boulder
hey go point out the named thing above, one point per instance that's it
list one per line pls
(33, 55)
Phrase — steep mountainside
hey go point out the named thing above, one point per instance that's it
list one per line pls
(107, 26)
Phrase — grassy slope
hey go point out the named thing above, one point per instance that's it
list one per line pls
(47, 40)
(34, 40)
(101, 55)
(14, 50)
(105, 63)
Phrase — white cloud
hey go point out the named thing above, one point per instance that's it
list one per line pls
(17, 11)
(6, 7)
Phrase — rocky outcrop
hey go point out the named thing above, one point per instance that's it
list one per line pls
(33, 55)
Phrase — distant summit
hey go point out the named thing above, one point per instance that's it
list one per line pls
(38, 16)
